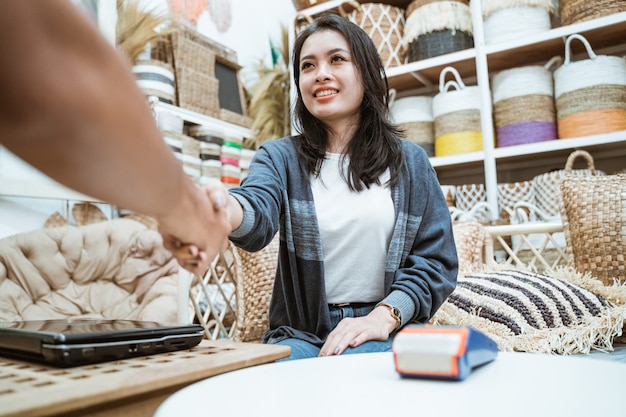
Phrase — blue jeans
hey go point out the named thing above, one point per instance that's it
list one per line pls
(302, 350)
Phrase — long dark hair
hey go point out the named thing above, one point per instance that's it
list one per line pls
(375, 145)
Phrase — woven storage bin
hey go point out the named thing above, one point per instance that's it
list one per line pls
(512, 19)
(414, 114)
(524, 108)
(590, 93)
(574, 11)
(468, 196)
(384, 23)
(436, 27)
(593, 210)
(198, 91)
(456, 115)
(305, 4)
(156, 78)
(546, 186)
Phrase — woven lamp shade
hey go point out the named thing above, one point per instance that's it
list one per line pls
(574, 11)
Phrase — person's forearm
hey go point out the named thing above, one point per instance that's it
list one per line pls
(73, 110)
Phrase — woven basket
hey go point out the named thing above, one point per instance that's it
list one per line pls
(156, 78)
(590, 93)
(305, 4)
(524, 108)
(457, 116)
(414, 115)
(436, 27)
(546, 186)
(514, 23)
(198, 91)
(593, 210)
(255, 284)
(511, 194)
(384, 23)
(574, 11)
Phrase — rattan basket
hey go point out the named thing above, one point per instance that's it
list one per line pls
(384, 23)
(414, 115)
(456, 115)
(523, 101)
(574, 11)
(436, 27)
(590, 93)
(305, 4)
(546, 186)
(593, 211)
(255, 284)
(512, 19)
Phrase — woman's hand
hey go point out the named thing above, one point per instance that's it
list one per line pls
(354, 331)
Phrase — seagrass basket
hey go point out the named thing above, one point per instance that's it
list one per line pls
(523, 101)
(305, 4)
(593, 211)
(456, 112)
(504, 20)
(414, 115)
(546, 185)
(436, 27)
(574, 11)
(590, 93)
(255, 284)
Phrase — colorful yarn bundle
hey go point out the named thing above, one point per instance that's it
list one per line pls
(436, 27)
(511, 19)
(524, 108)
(590, 93)
(457, 116)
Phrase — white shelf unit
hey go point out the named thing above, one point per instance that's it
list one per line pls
(492, 165)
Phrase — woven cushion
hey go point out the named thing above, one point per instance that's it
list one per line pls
(526, 311)
(593, 211)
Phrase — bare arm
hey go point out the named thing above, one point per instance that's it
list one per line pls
(70, 107)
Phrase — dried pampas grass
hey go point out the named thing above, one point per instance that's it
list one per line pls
(269, 103)
(137, 29)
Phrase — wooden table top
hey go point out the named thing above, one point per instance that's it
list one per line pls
(37, 390)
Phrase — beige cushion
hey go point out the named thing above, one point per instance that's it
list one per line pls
(114, 269)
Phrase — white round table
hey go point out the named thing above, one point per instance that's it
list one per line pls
(515, 384)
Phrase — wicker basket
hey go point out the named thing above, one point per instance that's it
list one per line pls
(384, 23)
(593, 210)
(457, 116)
(197, 91)
(524, 109)
(546, 186)
(512, 19)
(255, 283)
(305, 4)
(414, 115)
(590, 93)
(574, 11)
(436, 27)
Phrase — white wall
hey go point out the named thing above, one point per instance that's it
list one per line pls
(248, 31)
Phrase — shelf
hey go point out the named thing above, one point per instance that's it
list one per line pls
(601, 33)
(201, 119)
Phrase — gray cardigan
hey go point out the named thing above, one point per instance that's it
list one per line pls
(421, 266)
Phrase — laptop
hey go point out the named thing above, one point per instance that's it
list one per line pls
(74, 342)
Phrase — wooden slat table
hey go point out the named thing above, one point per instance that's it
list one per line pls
(133, 387)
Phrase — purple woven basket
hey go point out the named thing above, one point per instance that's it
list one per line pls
(525, 132)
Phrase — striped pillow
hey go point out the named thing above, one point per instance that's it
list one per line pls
(530, 312)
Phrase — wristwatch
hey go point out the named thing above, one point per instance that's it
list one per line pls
(394, 311)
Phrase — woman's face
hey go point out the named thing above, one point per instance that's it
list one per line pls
(330, 83)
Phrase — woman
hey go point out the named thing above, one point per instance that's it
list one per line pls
(366, 242)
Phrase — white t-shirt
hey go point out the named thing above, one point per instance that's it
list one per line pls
(355, 229)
